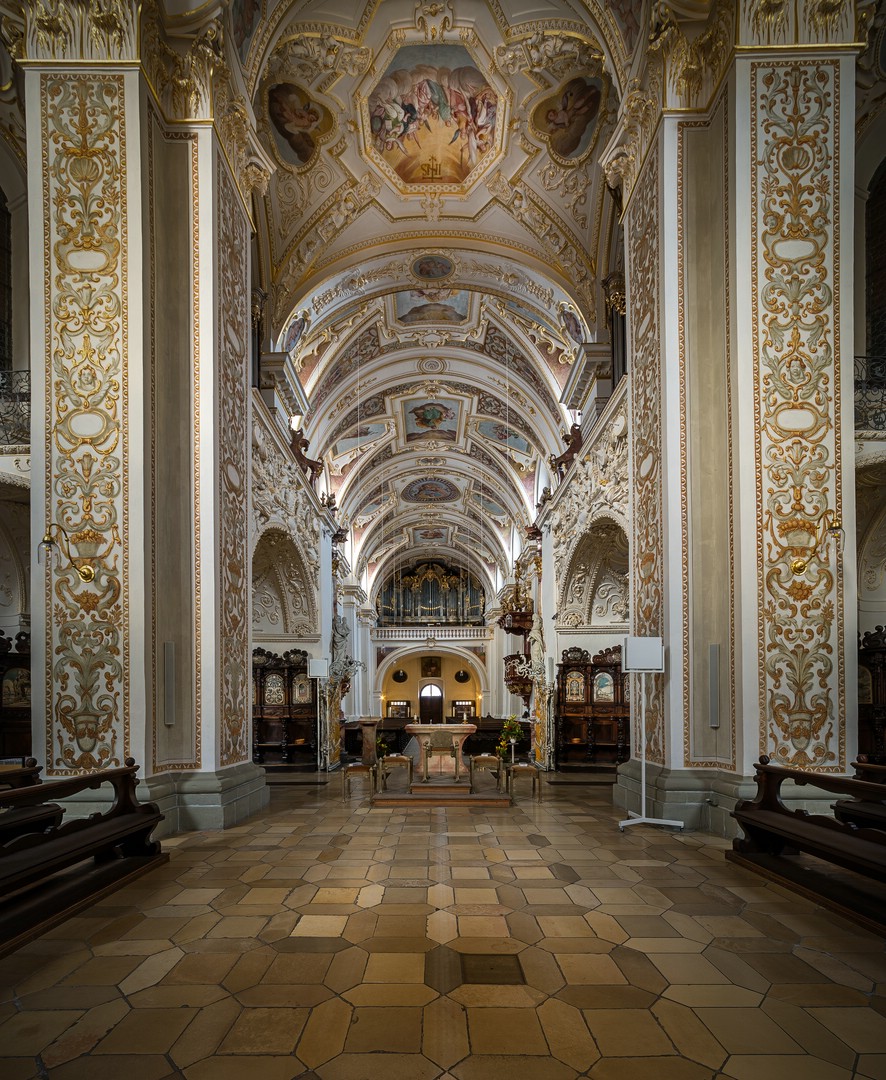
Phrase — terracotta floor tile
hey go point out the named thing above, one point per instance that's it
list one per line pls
(395, 968)
(29, 1032)
(773, 1067)
(324, 1033)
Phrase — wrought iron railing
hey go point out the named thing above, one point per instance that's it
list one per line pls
(15, 408)
(870, 393)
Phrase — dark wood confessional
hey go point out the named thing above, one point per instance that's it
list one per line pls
(592, 710)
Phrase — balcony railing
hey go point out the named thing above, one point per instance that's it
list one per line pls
(870, 393)
(441, 633)
(15, 408)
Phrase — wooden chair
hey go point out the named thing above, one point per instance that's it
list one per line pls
(491, 762)
(394, 761)
(522, 768)
(357, 768)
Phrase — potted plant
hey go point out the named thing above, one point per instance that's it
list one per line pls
(510, 735)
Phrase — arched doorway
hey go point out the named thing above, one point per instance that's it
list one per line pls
(430, 704)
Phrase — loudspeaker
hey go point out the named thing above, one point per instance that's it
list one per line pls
(318, 669)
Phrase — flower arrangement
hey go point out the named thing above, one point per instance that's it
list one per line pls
(510, 729)
(381, 747)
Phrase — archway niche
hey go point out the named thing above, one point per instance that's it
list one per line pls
(595, 592)
(283, 603)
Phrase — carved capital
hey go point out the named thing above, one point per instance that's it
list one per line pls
(181, 77)
(797, 22)
(80, 30)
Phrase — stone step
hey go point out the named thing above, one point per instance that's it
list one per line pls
(435, 797)
(418, 786)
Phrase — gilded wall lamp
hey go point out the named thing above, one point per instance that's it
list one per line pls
(828, 529)
(57, 541)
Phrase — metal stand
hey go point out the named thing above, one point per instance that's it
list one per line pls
(641, 819)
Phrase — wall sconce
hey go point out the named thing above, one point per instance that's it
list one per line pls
(829, 527)
(48, 548)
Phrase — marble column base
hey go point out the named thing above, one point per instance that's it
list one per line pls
(206, 800)
(189, 800)
(702, 799)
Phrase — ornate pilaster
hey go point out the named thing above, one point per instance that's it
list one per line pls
(798, 181)
(141, 325)
(84, 209)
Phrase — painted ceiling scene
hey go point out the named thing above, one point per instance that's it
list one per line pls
(434, 248)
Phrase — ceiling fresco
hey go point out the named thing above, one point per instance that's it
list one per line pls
(433, 245)
(432, 118)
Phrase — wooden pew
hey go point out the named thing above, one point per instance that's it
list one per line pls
(775, 834)
(21, 776)
(864, 770)
(25, 819)
(50, 873)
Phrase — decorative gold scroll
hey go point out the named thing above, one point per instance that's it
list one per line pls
(795, 110)
(86, 342)
(644, 263)
(233, 519)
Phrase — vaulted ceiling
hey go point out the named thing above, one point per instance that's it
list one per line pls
(433, 244)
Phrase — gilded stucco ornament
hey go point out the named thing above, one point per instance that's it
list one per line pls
(87, 461)
(795, 318)
(555, 53)
(12, 105)
(553, 236)
(339, 211)
(317, 58)
(694, 66)
(434, 19)
(647, 531)
(234, 325)
(283, 597)
(634, 128)
(597, 487)
(870, 87)
(280, 500)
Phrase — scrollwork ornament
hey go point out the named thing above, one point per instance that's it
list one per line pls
(434, 19)
(83, 131)
(646, 397)
(794, 226)
(233, 528)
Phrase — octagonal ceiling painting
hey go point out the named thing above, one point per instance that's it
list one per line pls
(432, 117)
